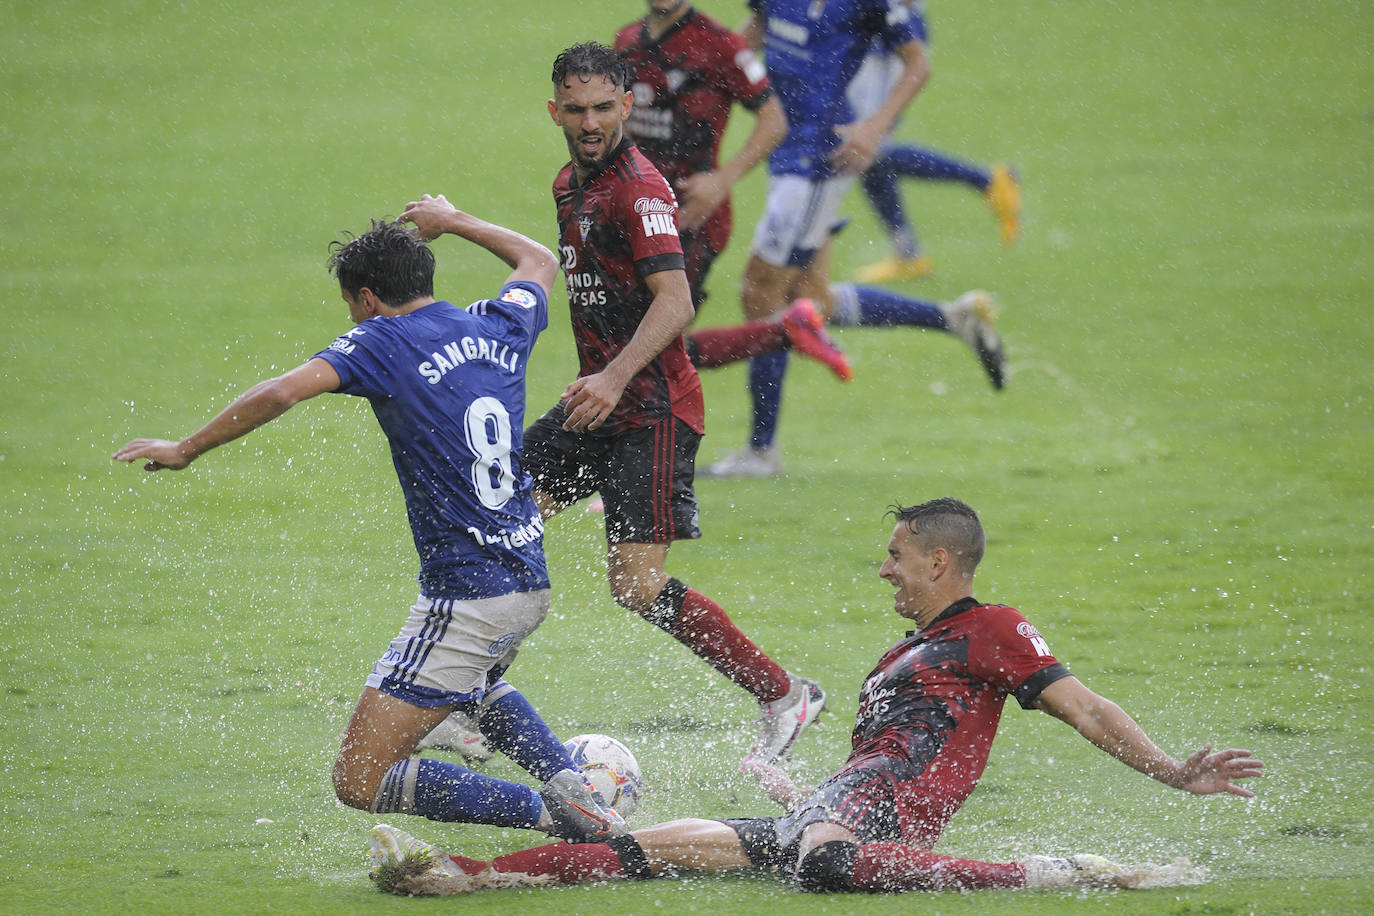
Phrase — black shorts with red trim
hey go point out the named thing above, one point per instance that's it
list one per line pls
(644, 475)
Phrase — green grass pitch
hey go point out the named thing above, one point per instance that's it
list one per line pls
(1176, 482)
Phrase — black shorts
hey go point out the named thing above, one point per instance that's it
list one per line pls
(644, 475)
(860, 801)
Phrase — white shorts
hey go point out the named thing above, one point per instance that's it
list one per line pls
(450, 650)
(873, 82)
(798, 218)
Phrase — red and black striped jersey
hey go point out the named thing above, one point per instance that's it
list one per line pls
(685, 83)
(615, 229)
(929, 711)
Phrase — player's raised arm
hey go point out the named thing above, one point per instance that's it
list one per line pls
(260, 404)
(529, 260)
(1108, 726)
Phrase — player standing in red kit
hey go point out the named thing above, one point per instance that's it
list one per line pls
(629, 425)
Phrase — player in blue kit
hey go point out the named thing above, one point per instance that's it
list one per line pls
(447, 386)
(812, 52)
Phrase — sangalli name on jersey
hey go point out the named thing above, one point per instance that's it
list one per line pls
(457, 352)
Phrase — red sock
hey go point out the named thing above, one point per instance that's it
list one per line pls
(567, 863)
(708, 631)
(469, 866)
(897, 867)
(714, 347)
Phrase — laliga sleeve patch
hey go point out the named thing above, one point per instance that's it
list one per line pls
(521, 297)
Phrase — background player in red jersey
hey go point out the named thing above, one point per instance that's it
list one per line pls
(629, 425)
(927, 716)
(687, 73)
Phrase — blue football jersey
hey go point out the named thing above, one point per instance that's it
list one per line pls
(812, 49)
(448, 387)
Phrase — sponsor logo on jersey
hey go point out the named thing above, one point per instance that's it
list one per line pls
(652, 205)
(521, 297)
(503, 644)
(1025, 629)
(657, 216)
(585, 289)
(342, 344)
(659, 224)
(511, 538)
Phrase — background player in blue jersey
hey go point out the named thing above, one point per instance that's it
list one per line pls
(927, 715)
(812, 52)
(899, 160)
(447, 386)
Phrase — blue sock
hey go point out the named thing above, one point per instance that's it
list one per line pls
(512, 726)
(914, 162)
(880, 186)
(875, 307)
(765, 387)
(443, 791)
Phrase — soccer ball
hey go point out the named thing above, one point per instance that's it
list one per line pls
(610, 768)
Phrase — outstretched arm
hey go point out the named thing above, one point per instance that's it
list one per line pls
(1109, 727)
(529, 260)
(260, 404)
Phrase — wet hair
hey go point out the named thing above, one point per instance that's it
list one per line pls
(591, 59)
(388, 259)
(949, 523)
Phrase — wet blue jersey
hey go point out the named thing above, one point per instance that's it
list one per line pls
(812, 49)
(448, 387)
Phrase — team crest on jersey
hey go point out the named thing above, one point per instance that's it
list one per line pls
(521, 297)
(584, 224)
(675, 79)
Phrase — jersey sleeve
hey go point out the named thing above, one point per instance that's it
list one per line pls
(1014, 657)
(739, 73)
(901, 24)
(648, 214)
(523, 304)
(352, 361)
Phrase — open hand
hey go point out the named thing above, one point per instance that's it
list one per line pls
(161, 453)
(1204, 773)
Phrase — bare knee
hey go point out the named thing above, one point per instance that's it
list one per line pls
(765, 289)
(352, 786)
(634, 593)
(636, 575)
